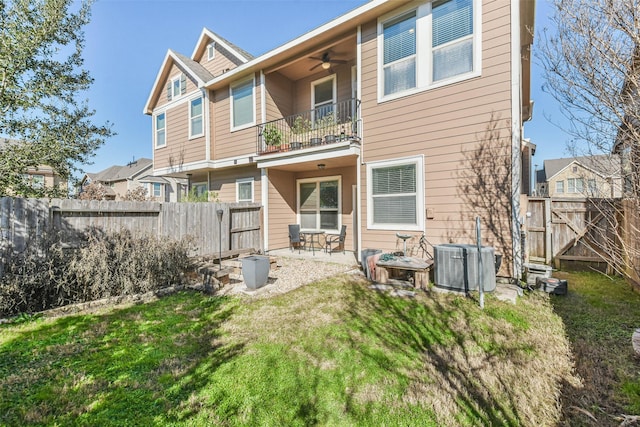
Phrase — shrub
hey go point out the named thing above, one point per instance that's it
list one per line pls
(46, 275)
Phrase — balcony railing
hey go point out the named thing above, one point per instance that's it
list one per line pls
(328, 124)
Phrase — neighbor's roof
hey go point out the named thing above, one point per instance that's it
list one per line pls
(121, 173)
(605, 165)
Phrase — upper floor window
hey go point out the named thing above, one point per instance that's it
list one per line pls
(431, 45)
(575, 185)
(399, 54)
(37, 181)
(323, 96)
(161, 129)
(452, 38)
(195, 118)
(211, 51)
(242, 105)
(244, 190)
(560, 187)
(177, 86)
(593, 189)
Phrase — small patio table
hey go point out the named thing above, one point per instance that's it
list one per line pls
(314, 233)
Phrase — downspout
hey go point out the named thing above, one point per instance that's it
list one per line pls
(516, 113)
(360, 161)
(264, 173)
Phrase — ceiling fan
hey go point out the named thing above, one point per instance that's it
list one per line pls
(325, 61)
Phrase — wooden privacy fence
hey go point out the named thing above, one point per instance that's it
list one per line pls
(23, 221)
(568, 230)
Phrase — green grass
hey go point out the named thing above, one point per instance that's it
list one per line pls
(330, 353)
(600, 315)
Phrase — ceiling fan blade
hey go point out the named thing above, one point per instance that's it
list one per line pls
(316, 58)
(315, 66)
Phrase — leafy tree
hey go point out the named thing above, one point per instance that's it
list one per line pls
(42, 115)
(592, 68)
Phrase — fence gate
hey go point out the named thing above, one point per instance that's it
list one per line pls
(567, 230)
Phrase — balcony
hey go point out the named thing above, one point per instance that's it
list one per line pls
(325, 125)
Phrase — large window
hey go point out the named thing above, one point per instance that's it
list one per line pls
(319, 203)
(399, 54)
(244, 190)
(243, 105)
(559, 187)
(195, 118)
(434, 44)
(395, 194)
(161, 130)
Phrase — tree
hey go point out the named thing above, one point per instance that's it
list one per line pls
(592, 68)
(137, 194)
(93, 191)
(41, 78)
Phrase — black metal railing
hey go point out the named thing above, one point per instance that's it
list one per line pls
(327, 124)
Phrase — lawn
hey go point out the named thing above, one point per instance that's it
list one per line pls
(331, 353)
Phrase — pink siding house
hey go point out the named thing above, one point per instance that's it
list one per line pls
(399, 116)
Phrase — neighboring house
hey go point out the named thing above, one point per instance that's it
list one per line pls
(370, 120)
(41, 176)
(118, 180)
(587, 176)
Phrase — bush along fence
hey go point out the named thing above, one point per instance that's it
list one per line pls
(58, 252)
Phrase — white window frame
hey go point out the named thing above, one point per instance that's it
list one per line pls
(592, 186)
(239, 183)
(211, 51)
(334, 89)
(420, 202)
(318, 180)
(253, 103)
(191, 118)
(174, 80)
(155, 129)
(152, 189)
(424, 50)
(560, 187)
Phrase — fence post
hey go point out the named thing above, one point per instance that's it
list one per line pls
(547, 231)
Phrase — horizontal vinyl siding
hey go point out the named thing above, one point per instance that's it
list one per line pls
(223, 60)
(237, 143)
(179, 149)
(174, 72)
(282, 207)
(280, 96)
(223, 181)
(446, 125)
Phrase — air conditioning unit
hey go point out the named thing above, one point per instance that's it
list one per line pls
(456, 267)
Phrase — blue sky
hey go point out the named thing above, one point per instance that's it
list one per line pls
(126, 42)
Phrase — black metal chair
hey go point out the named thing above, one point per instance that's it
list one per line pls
(296, 238)
(336, 239)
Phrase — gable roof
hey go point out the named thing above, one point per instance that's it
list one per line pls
(194, 69)
(207, 35)
(603, 165)
(121, 173)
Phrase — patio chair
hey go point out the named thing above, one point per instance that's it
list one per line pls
(336, 239)
(296, 238)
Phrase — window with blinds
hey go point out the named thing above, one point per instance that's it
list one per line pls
(399, 54)
(393, 191)
(433, 44)
(242, 111)
(452, 38)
